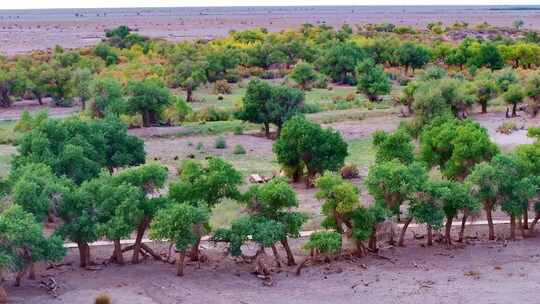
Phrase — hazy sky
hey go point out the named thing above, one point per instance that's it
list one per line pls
(24, 4)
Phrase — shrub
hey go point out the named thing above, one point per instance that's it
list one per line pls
(222, 87)
(256, 71)
(239, 149)
(321, 82)
(239, 130)
(243, 72)
(220, 143)
(350, 171)
(210, 114)
(132, 121)
(200, 146)
(325, 242)
(350, 97)
(232, 76)
(103, 298)
(267, 75)
(507, 127)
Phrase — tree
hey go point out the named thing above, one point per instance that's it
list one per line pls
(149, 179)
(304, 74)
(518, 24)
(268, 104)
(284, 104)
(37, 190)
(532, 90)
(343, 210)
(116, 209)
(483, 184)
(254, 107)
(453, 198)
(372, 80)
(397, 145)
(413, 55)
(186, 68)
(485, 89)
(108, 95)
(80, 85)
(456, 146)
(219, 60)
(107, 53)
(35, 77)
(122, 37)
(391, 183)
(148, 97)
(339, 60)
(178, 223)
(23, 243)
(273, 202)
(489, 56)
(205, 186)
(325, 243)
(306, 144)
(513, 97)
(78, 149)
(425, 208)
(8, 84)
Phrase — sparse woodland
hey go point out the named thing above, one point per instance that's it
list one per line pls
(87, 175)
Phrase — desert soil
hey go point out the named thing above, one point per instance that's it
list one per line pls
(26, 30)
(479, 272)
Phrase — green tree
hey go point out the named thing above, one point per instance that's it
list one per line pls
(397, 145)
(80, 85)
(485, 89)
(489, 56)
(532, 90)
(108, 95)
(391, 183)
(372, 80)
(268, 104)
(413, 55)
(306, 144)
(339, 60)
(456, 146)
(179, 224)
(78, 149)
(187, 68)
(304, 74)
(205, 186)
(513, 97)
(274, 201)
(149, 98)
(37, 190)
(23, 243)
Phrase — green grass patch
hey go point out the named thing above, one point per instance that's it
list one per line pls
(361, 153)
(7, 132)
(214, 127)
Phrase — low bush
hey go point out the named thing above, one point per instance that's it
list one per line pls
(220, 143)
(239, 149)
(350, 171)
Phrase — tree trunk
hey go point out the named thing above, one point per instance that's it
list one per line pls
(118, 256)
(462, 230)
(3, 295)
(520, 226)
(39, 99)
(534, 222)
(360, 249)
(84, 254)
(448, 230)
(189, 97)
(429, 235)
(194, 254)
(297, 174)
(512, 228)
(278, 132)
(32, 271)
(290, 256)
(276, 255)
(20, 275)
(526, 218)
(145, 118)
(83, 104)
(140, 233)
(489, 217)
(180, 256)
(267, 130)
(514, 110)
(303, 264)
(372, 243)
(403, 231)
(484, 107)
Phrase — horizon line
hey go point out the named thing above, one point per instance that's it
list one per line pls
(276, 6)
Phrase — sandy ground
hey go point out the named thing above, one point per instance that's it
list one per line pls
(481, 272)
(14, 112)
(23, 31)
